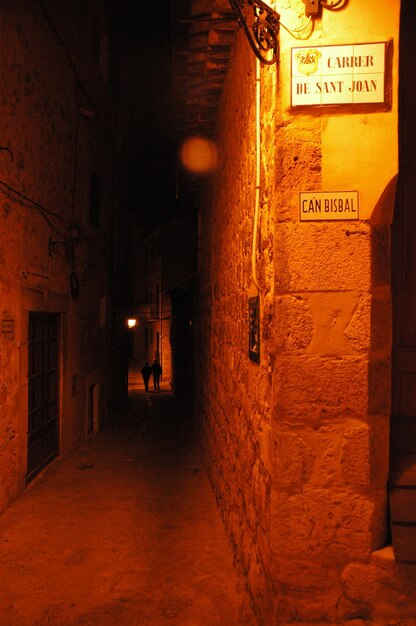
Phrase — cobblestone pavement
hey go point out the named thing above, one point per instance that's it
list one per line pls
(124, 532)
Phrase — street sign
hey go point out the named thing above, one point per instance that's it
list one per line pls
(342, 74)
(328, 205)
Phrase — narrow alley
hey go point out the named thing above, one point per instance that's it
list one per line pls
(218, 196)
(125, 531)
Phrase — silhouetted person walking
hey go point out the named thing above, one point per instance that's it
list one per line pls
(157, 372)
(146, 371)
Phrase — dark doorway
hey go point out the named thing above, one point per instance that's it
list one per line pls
(403, 419)
(182, 345)
(91, 408)
(43, 392)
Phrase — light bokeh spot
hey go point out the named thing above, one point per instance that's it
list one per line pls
(199, 155)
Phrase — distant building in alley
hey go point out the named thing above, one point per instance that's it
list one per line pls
(163, 267)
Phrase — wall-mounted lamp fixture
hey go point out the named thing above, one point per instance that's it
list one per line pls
(261, 26)
(131, 322)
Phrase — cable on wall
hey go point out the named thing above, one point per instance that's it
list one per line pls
(258, 177)
(19, 198)
(295, 31)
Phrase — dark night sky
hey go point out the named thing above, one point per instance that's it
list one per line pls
(146, 34)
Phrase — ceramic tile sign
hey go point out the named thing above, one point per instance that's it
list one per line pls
(331, 75)
(328, 205)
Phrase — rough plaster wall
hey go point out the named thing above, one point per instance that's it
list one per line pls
(38, 127)
(299, 444)
(236, 400)
(9, 360)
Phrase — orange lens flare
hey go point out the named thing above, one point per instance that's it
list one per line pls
(199, 155)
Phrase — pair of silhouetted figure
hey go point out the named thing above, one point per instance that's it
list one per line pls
(155, 370)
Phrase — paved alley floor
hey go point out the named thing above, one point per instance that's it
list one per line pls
(124, 532)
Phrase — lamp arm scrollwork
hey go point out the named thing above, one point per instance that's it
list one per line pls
(261, 26)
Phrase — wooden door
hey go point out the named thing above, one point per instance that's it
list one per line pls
(403, 419)
(403, 248)
(43, 392)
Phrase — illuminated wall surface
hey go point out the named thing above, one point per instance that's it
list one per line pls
(299, 443)
(54, 305)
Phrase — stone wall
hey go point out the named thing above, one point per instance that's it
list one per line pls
(236, 400)
(46, 159)
(298, 445)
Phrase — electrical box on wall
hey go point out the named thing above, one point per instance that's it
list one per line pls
(254, 329)
(311, 7)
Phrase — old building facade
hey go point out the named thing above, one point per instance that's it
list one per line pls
(57, 202)
(163, 268)
(150, 338)
(295, 339)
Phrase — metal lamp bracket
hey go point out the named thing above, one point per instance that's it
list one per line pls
(261, 26)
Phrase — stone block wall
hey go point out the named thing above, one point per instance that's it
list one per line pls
(46, 159)
(235, 394)
(299, 444)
